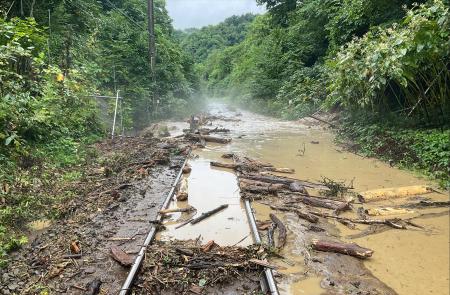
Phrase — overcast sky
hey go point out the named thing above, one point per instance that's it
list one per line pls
(199, 13)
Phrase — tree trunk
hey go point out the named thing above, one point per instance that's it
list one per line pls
(342, 248)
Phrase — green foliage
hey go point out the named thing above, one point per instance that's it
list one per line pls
(49, 69)
(403, 67)
(199, 43)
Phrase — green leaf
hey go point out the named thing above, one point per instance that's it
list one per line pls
(202, 282)
(10, 139)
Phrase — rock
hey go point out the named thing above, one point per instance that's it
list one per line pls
(13, 286)
(187, 169)
(5, 277)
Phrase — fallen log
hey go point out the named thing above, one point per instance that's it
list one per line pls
(270, 232)
(224, 165)
(386, 211)
(208, 138)
(396, 223)
(427, 204)
(208, 131)
(282, 230)
(323, 203)
(120, 256)
(396, 192)
(342, 248)
(280, 170)
(208, 214)
(269, 189)
(177, 210)
(300, 213)
(283, 180)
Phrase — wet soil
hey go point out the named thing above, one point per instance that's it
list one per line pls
(409, 261)
(121, 195)
(186, 267)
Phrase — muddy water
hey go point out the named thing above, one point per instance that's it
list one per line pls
(411, 262)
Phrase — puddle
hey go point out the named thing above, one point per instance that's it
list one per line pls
(209, 188)
(308, 286)
(410, 262)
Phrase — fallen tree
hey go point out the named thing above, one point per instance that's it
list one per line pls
(342, 248)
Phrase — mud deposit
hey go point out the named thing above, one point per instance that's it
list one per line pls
(411, 261)
(118, 198)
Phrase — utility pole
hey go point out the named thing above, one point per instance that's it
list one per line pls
(151, 46)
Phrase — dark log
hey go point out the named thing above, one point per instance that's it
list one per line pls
(208, 214)
(93, 288)
(208, 131)
(395, 222)
(270, 232)
(120, 256)
(224, 165)
(176, 210)
(426, 204)
(298, 187)
(342, 248)
(324, 203)
(280, 170)
(269, 189)
(208, 138)
(282, 231)
(283, 180)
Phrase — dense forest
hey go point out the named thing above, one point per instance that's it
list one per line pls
(382, 65)
(54, 56)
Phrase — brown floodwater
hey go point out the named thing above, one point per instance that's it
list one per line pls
(409, 261)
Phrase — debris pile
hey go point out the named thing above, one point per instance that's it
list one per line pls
(186, 266)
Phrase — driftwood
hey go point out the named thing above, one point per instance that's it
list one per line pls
(208, 214)
(396, 192)
(386, 211)
(176, 210)
(338, 206)
(395, 222)
(342, 248)
(280, 170)
(270, 232)
(207, 131)
(225, 165)
(208, 138)
(257, 189)
(282, 231)
(120, 256)
(283, 180)
(427, 204)
(300, 213)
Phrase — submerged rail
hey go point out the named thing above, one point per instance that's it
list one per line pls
(151, 235)
(269, 280)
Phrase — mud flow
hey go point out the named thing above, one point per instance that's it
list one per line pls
(331, 221)
(410, 260)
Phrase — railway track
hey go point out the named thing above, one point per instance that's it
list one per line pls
(267, 281)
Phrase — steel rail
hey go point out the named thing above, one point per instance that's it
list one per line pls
(270, 281)
(151, 235)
